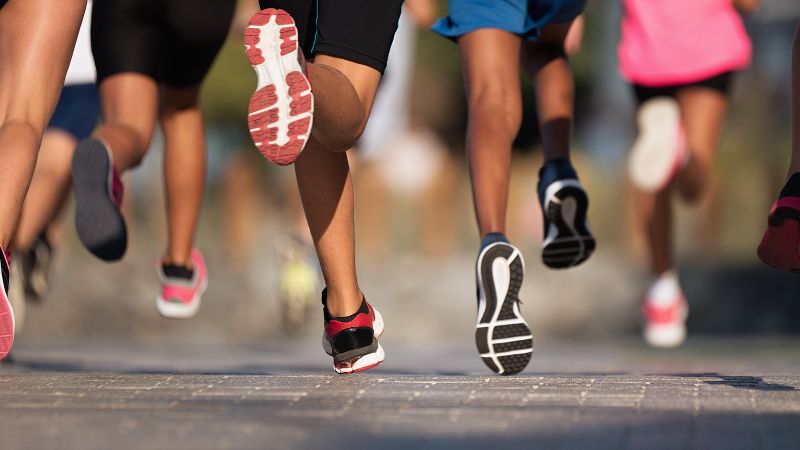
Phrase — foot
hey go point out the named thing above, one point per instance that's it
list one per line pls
(34, 267)
(502, 336)
(98, 196)
(659, 152)
(182, 288)
(6, 312)
(281, 109)
(353, 340)
(568, 239)
(665, 311)
(780, 246)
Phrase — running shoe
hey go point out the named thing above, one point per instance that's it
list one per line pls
(281, 109)
(34, 269)
(352, 341)
(182, 288)
(502, 336)
(780, 246)
(6, 311)
(98, 196)
(568, 239)
(665, 312)
(659, 152)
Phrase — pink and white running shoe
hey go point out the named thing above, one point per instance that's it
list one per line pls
(665, 311)
(6, 312)
(659, 153)
(282, 108)
(181, 292)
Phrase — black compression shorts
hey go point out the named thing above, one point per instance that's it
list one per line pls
(172, 41)
(357, 30)
(720, 83)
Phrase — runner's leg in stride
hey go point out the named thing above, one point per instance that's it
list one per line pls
(35, 50)
(780, 246)
(345, 67)
(153, 71)
(490, 56)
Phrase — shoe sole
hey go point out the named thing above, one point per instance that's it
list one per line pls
(502, 336)
(569, 241)
(7, 322)
(98, 221)
(360, 359)
(655, 156)
(281, 110)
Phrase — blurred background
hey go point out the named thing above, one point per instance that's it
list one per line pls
(416, 235)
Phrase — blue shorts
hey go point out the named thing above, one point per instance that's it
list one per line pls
(77, 110)
(524, 18)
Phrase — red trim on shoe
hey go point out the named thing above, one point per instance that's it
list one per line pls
(780, 246)
(334, 327)
(785, 202)
(665, 315)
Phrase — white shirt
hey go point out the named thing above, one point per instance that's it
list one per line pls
(81, 68)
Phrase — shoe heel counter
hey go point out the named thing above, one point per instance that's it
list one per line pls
(352, 338)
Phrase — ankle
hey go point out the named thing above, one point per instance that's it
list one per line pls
(343, 302)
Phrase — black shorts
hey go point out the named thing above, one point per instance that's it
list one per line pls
(357, 30)
(172, 41)
(720, 83)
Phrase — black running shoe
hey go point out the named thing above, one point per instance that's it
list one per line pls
(568, 239)
(98, 196)
(502, 336)
(352, 341)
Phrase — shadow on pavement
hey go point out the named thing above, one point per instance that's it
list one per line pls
(737, 381)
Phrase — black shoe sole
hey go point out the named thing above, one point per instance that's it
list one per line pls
(98, 221)
(515, 347)
(573, 242)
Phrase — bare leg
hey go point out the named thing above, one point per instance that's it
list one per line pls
(48, 189)
(489, 60)
(184, 170)
(546, 63)
(323, 176)
(35, 48)
(655, 213)
(129, 103)
(702, 114)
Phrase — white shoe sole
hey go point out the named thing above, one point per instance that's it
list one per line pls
(502, 336)
(657, 154)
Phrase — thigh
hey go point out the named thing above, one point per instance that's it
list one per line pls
(196, 30)
(35, 48)
(703, 115)
(364, 79)
(130, 99)
(490, 63)
(127, 36)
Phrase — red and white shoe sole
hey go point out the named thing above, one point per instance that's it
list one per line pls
(363, 362)
(281, 110)
(6, 325)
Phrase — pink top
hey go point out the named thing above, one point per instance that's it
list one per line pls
(667, 42)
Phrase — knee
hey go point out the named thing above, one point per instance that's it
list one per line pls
(495, 107)
(23, 130)
(346, 135)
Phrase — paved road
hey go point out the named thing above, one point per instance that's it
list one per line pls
(710, 395)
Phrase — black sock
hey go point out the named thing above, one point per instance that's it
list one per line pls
(792, 188)
(174, 271)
